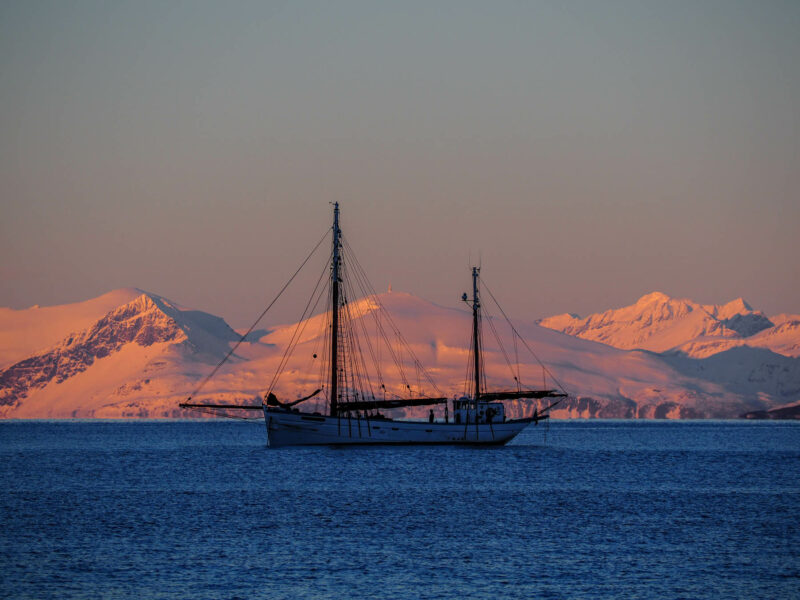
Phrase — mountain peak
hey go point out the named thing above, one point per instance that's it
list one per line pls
(736, 306)
(144, 301)
(653, 298)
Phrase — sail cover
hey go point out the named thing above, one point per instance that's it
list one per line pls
(387, 404)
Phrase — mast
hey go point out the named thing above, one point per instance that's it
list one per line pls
(335, 316)
(475, 335)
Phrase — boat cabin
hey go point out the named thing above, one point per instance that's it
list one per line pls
(488, 412)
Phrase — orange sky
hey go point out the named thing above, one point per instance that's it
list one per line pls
(587, 152)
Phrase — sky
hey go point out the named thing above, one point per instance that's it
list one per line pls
(585, 153)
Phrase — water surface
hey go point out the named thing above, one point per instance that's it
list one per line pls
(586, 509)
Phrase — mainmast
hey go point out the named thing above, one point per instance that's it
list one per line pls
(335, 279)
(476, 306)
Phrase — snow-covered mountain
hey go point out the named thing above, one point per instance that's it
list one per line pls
(659, 323)
(144, 355)
(136, 348)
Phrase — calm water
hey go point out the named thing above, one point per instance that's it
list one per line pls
(591, 509)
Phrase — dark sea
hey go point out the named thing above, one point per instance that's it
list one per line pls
(589, 509)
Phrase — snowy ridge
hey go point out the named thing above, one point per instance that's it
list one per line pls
(659, 323)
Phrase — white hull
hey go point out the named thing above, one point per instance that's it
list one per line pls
(285, 428)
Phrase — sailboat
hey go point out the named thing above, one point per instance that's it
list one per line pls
(353, 412)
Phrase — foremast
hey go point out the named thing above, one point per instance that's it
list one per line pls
(335, 280)
(489, 396)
